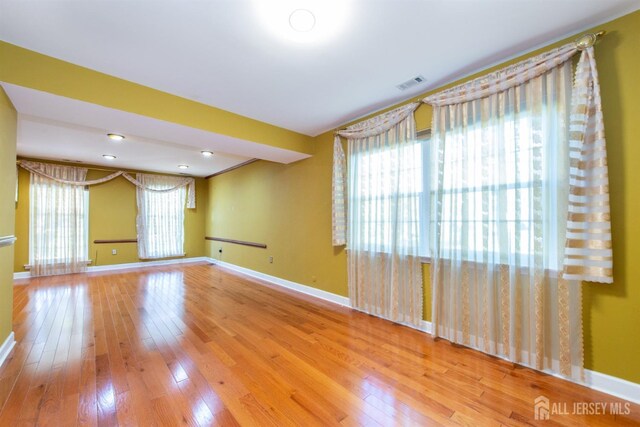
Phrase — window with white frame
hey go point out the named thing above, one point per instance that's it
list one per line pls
(160, 219)
(491, 211)
(58, 224)
(378, 201)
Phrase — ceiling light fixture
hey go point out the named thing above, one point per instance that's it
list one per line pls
(109, 156)
(207, 153)
(115, 137)
(302, 20)
(183, 166)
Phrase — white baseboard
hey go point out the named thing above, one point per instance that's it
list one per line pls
(113, 267)
(426, 326)
(6, 347)
(612, 385)
(308, 290)
(127, 266)
(595, 380)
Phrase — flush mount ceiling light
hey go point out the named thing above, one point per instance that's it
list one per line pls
(183, 166)
(109, 156)
(207, 153)
(303, 21)
(115, 137)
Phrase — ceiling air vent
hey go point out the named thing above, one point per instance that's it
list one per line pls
(411, 82)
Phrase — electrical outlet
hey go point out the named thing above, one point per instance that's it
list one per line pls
(114, 251)
(270, 260)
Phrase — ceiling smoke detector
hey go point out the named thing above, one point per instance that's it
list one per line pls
(411, 82)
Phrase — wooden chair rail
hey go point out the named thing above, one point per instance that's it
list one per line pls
(99, 242)
(7, 240)
(237, 242)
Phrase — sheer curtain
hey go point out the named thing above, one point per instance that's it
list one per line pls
(501, 192)
(58, 235)
(160, 219)
(384, 190)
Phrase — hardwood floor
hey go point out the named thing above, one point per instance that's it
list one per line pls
(197, 345)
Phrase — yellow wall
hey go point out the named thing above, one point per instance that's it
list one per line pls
(8, 134)
(284, 206)
(112, 216)
(36, 71)
(289, 209)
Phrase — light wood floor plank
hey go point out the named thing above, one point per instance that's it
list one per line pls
(197, 345)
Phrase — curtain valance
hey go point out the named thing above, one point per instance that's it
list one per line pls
(503, 79)
(378, 124)
(40, 169)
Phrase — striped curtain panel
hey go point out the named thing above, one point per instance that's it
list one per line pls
(339, 194)
(516, 151)
(588, 253)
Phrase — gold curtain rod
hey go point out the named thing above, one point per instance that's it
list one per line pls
(587, 40)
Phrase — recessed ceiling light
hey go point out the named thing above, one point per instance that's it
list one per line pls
(207, 153)
(109, 156)
(183, 166)
(302, 20)
(115, 137)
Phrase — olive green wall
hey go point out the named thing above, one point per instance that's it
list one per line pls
(286, 207)
(289, 209)
(8, 134)
(112, 216)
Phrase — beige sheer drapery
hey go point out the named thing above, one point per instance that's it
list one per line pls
(385, 273)
(160, 220)
(379, 124)
(516, 150)
(339, 195)
(371, 127)
(58, 235)
(41, 169)
(588, 253)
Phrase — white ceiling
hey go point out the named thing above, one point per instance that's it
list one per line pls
(57, 128)
(221, 53)
(226, 53)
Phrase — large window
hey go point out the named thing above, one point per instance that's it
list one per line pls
(380, 206)
(496, 207)
(160, 217)
(502, 188)
(58, 224)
